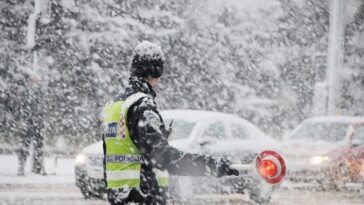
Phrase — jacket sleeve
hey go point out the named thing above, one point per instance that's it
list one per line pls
(155, 149)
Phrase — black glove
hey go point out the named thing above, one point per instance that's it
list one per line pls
(168, 131)
(223, 168)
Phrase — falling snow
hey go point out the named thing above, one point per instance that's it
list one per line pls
(266, 62)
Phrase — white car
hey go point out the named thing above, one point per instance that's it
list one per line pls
(201, 132)
(314, 149)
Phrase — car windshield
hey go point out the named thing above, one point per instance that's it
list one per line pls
(180, 128)
(325, 131)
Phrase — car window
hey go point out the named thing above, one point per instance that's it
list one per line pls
(215, 130)
(359, 136)
(326, 131)
(181, 129)
(239, 131)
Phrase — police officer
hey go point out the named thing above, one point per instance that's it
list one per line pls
(135, 139)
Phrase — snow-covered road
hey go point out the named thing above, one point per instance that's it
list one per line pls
(65, 195)
(58, 188)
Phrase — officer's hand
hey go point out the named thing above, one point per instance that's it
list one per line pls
(225, 170)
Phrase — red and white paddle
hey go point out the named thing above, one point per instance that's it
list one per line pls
(268, 164)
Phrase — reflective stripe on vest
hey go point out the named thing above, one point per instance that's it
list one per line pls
(123, 159)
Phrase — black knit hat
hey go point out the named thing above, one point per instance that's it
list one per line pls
(148, 60)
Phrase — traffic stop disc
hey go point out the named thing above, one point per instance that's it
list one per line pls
(271, 166)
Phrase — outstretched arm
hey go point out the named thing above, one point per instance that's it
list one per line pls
(153, 140)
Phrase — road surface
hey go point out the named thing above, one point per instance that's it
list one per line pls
(69, 194)
(59, 189)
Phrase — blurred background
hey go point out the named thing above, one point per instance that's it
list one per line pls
(260, 60)
(273, 63)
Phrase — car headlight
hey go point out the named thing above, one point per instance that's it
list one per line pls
(319, 159)
(81, 159)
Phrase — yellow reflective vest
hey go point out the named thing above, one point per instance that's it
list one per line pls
(122, 158)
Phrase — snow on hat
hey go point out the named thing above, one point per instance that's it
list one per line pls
(148, 60)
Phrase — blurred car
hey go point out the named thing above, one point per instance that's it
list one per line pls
(89, 171)
(347, 162)
(201, 132)
(328, 150)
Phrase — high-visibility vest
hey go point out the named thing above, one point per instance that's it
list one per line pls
(122, 158)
